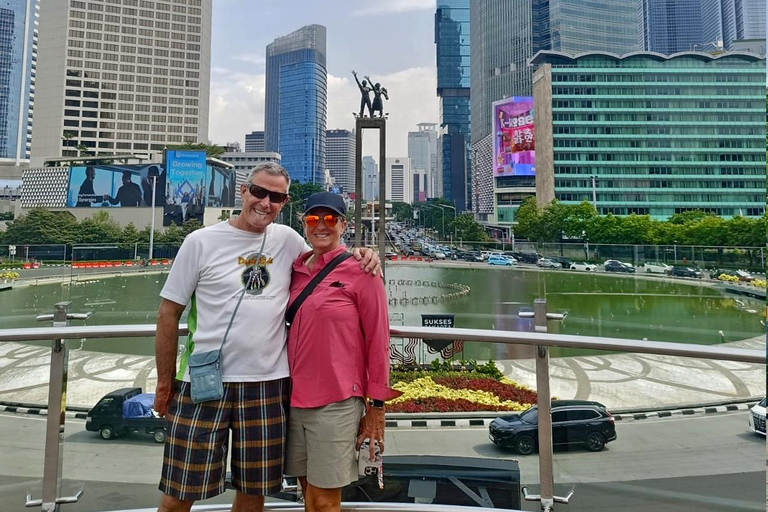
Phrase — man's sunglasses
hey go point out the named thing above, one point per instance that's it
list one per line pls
(260, 193)
(329, 220)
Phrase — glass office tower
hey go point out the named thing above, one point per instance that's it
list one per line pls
(296, 102)
(18, 56)
(453, 82)
(651, 135)
(671, 26)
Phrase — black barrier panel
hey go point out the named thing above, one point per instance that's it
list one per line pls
(444, 480)
(437, 321)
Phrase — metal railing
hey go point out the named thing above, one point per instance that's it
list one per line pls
(539, 341)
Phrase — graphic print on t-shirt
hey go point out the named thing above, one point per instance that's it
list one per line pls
(255, 277)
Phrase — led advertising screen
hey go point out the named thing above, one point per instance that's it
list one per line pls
(114, 186)
(513, 137)
(185, 196)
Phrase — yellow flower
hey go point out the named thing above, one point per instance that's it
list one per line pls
(425, 387)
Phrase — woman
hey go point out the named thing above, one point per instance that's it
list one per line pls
(338, 352)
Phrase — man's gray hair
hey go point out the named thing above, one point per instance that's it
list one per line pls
(273, 169)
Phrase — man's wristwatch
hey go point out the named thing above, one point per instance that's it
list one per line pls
(379, 404)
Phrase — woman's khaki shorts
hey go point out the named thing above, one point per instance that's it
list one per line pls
(321, 443)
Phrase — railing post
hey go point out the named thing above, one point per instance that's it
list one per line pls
(546, 472)
(57, 401)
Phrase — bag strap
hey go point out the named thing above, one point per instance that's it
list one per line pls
(242, 294)
(307, 291)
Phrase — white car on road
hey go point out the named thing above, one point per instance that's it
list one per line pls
(757, 418)
(548, 263)
(586, 267)
(653, 267)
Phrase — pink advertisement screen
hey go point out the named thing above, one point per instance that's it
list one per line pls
(514, 143)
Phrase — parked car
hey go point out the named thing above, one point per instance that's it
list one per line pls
(587, 267)
(527, 257)
(617, 266)
(495, 259)
(757, 418)
(716, 273)
(564, 262)
(547, 263)
(622, 262)
(472, 256)
(745, 276)
(438, 255)
(123, 411)
(573, 422)
(654, 267)
(685, 272)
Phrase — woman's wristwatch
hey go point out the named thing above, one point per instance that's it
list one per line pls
(379, 404)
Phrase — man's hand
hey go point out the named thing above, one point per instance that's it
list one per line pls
(163, 396)
(369, 260)
(372, 427)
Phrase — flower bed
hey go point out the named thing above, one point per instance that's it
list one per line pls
(443, 389)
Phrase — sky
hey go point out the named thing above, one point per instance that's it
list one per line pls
(392, 41)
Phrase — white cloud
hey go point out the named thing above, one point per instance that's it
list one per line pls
(377, 7)
(252, 58)
(237, 104)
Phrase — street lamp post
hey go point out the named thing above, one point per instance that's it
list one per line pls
(152, 222)
(454, 216)
(675, 252)
(594, 191)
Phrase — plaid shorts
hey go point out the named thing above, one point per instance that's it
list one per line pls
(195, 456)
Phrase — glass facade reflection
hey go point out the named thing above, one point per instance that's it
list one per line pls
(453, 82)
(659, 136)
(671, 26)
(18, 48)
(576, 26)
(296, 102)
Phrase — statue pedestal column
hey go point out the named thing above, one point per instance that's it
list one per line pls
(380, 124)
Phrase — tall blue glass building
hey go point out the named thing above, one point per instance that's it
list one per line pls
(575, 26)
(453, 82)
(296, 102)
(18, 53)
(729, 20)
(671, 26)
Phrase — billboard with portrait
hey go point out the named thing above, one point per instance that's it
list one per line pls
(185, 196)
(514, 142)
(114, 186)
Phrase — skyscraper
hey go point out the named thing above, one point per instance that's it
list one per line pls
(730, 20)
(370, 179)
(296, 102)
(340, 158)
(133, 79)
(18, 48)
(671, 26)
(576, 26)
(422, 151)
(452, 42)
(254, 142)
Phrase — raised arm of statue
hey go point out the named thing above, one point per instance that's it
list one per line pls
(359, 85)
(385, 93)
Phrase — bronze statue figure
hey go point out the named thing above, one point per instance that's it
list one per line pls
(365, 100)
(378, 92)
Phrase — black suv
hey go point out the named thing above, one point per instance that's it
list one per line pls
(573, 422)
(617, 266)
(685, 272)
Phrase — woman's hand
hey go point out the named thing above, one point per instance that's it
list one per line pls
(372, 427)
(369, 260)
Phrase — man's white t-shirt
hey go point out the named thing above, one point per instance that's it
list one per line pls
(209, 273)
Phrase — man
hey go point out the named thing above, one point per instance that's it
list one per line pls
(213, 267)
(86, 195)
(129, 194)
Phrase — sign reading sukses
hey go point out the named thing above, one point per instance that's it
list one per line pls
(445, 320)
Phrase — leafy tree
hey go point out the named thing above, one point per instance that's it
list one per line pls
(190, 226)
(689, 216)
(467, 229)
(99, 228)
(403, 212)
(173, 235)
(211, 150)
(40, 226)
(130, 235)
(528, 219)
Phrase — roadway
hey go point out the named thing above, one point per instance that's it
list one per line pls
(690, 464)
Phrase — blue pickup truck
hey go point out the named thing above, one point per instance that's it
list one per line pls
(124, 411)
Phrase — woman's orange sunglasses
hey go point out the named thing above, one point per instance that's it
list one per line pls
(329, 220)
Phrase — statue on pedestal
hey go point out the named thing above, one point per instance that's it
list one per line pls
(378, 92)
(365, 100)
